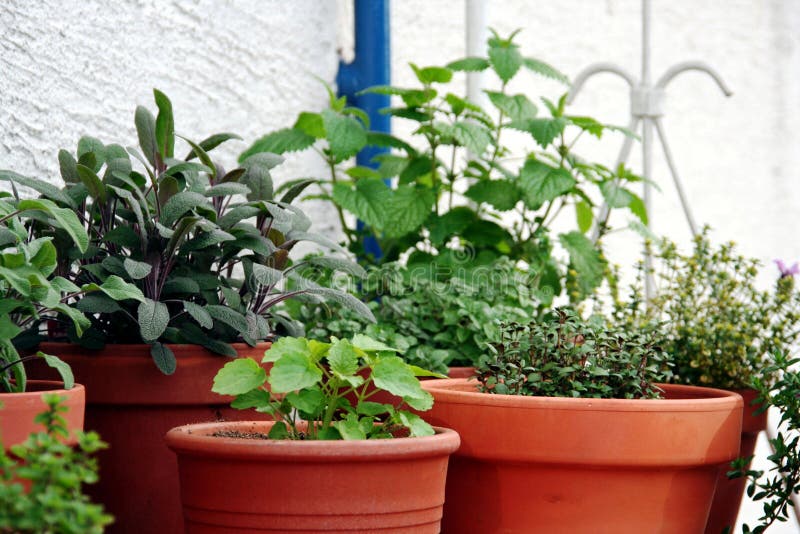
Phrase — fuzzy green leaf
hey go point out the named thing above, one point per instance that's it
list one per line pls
(292, 372)
(542, 183)
(503, 195)
(345, 135)
(516, 107)
(367, 200)
(469, 64)
(153, 319)
(164, 358)
(239, 377)
(584, 258)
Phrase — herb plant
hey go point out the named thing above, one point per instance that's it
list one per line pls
(208, 249)
(319, 390)
(29, 295)
(43, 478)
(436, 318)
(565, 356)
(718, 325)
(776, 488)
(456, 185)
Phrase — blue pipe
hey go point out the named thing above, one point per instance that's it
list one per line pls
(371, 66)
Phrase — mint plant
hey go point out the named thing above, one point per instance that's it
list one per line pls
(566, 356)
(53, 501)
(319, 390)
(208, 249)
(29, 294)
(776, 487)
(456, 185)
(719, 326)
(435, 318)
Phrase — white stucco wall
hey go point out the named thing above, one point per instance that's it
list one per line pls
(75, 67)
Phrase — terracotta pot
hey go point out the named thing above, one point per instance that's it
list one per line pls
(18, 410)
(132, 405)
(728, 497)
(251, 485)
(544, 464)
(461, 372)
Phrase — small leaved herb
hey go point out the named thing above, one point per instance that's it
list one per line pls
(565, 356)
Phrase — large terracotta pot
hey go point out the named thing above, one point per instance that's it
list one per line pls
(18, 410)
(728, 497)
(132, 405)
(254, 485)
(543, 464)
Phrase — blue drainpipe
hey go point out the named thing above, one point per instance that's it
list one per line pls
(371, 66)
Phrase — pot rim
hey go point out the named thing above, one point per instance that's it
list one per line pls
(195, 440)
(691, 399)
(137, 346)
(52, 386)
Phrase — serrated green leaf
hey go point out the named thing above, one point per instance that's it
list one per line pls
(367, 200)
(541, 183)
(392, 374)
(415, 424)
(429, 75)
(638, 208)
(584, 258)
(407, 209)
(469, 64)
(280, 142)
(505, 60)
(615, 195)
(368, 344)
(342, 358)
(451, 223)
(153, 319)
(542, 68)
(239, 377)
(292, 372)
(349, 428)
(516, 107)
(473, 136)
(345, 135)
(502, 195)
(544, 131)
(284, 346)
(310, 123)
(256, 398)
(309, 401)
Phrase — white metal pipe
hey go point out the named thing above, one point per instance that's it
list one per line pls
(477, 33)
(674, 170)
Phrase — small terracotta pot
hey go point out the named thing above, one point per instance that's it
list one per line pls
(728, 497)
(18, 410)
(252, 485)
(544, 464)
(461, 372)
(131, 404)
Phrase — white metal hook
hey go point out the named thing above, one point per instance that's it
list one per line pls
(597, 68)
(700, 66)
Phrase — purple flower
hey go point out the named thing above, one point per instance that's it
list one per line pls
(787, 271)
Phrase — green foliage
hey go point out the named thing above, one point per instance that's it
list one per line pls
(565, 356)
(437, 318)
(776, 488)
(30, 294)
(54, 473)
(182, 246)
(718, 326)
(318, 390)
(455, 183)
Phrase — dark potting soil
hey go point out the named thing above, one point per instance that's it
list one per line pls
(241, 435)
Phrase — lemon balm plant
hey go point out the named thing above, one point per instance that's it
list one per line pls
(346, 459)
(319, 390)
(455, 183)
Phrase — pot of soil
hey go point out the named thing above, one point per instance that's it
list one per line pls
(728, 497)
(582, 465)
(131, 404)
(234, 480)
(18, 410)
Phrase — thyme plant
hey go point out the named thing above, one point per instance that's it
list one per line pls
(42, 479)
(566, 356)
(720, 328)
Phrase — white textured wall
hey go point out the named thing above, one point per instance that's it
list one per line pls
(79, 67)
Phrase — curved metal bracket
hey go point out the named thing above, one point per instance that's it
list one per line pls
(700, 66)
(597, 68)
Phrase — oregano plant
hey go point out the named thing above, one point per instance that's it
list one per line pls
(319, 390)
(454, 185)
